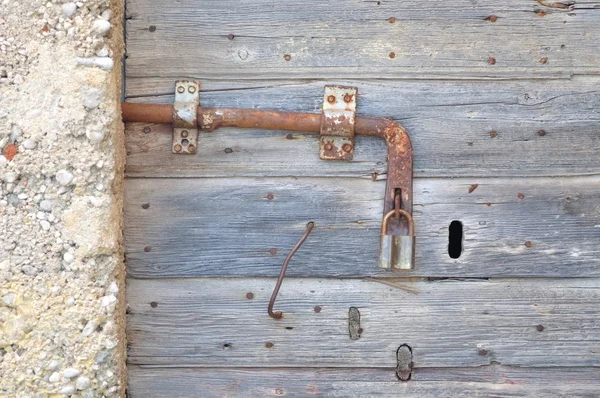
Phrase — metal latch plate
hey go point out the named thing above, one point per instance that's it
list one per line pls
(185, 117)
(337, 123)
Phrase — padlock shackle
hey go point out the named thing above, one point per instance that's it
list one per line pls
(386, 218)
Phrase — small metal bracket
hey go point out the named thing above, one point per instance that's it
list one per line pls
(337, 123)
(185, 117)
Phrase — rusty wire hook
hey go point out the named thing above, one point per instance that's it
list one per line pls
(279, 314)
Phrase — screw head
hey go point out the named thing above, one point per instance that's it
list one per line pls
(184, 133)
(348, 98)
(392, 55)
(270, 196)
(180, 89)
(317, 309)
(230, 36)
(492, 18)
(528, 244)
(191, 149)
(491, 60)
(542, 133)
(146, 130)
(287, 57)
(544, 60)
(540, 328)
(273, 251)
(391, 19)
(331, 99)
(347, 148)
(328, 146)
(268, 344)
(177, 148)
(520, 196)
(191, 89)
(493, 134)
(249, 295)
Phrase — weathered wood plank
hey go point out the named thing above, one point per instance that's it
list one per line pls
(486, 381)
(211, 322)
(449, 123)
(227, 227)
(353, 39)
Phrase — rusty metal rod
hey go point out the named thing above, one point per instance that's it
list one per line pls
(211, 118)
(400, 153)
(279, 314)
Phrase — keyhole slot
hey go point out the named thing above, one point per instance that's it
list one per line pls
(455, 239)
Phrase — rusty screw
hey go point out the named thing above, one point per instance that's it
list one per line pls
(191, 149)
(317, 309)
(348, 98)
(154, 304)
(491, 60)
(152, 28)
(290, 136)
(493, 134)
(268, 344)
(184, 133)
(177, 148)
(482, 351)
(273, 251)
(328, 146)
(191, 89)
(230, 36)
(146, 130)
(287, 57)
(520, 196)
(540, 328)
(147, 249)
(180, 89)
(331, 99)
(270, 196)
(347, 148)
(492, 18)
(249, 295)
(392, 55)
(528, 244)
(542, 133)
(544, 60)
(392, 19)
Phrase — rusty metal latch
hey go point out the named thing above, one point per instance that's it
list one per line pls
(185, 117)
(337, 123)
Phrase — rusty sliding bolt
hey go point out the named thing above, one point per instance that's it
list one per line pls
(278, 314)
(399, 154)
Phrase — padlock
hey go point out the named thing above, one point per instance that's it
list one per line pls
(397, 252)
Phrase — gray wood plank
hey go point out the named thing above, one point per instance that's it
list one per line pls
(228, 226)
(485, 381)
(449, 124)
(516, 322)
(352, 39)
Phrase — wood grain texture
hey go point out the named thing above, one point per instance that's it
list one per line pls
(210, 322)
(227, 226)
(449, 124)
(353, 39)
(485, 381)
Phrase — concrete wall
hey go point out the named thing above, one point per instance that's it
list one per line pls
(61, 172)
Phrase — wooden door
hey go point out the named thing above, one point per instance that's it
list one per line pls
(501, 102)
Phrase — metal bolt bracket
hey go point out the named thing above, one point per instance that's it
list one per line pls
(337, 123)
(185, 117)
